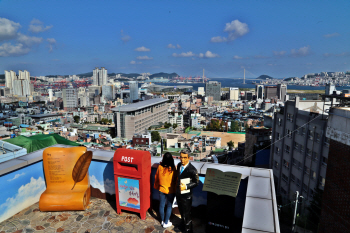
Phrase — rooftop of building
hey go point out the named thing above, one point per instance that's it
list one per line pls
(258, 207)
(45, 115)
(139, 105)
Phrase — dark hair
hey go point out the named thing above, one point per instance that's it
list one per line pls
(186, 152)
(168, 160)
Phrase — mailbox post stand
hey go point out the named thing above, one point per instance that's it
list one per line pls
(132, 173)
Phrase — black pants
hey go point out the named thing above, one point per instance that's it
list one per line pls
(185, 204)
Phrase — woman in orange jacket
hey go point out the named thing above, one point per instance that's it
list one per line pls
(165, 182)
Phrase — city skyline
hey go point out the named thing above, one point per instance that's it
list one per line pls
(280, 39)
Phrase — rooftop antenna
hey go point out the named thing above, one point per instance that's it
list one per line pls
(244, 77)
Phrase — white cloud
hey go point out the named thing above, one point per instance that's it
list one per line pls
(17, 176)
(52, 43)
(29, 40)
(38, 26)
(260, 56)
(125, 38)
(144, 58)
(237, 57)
(26, 196)
(234, 29)
(218, 39)
(107, 187)
(301, 52)
(171, 46)
(279, 53)
(331, 35)
(208, 54)
(7, 49)
(134, 62)
(8, 29)
(183, 54)
(142, 49)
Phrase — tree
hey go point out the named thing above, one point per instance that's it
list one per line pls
(167, 125)
(230, 145)
(76, 119)
(174, 126)
(155, 136)
(110, 121)
(234, 126)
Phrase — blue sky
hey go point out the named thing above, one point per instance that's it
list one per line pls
(278, 38)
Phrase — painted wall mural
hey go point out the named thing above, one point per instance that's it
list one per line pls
(21, 189)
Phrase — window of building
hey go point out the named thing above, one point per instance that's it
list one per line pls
(297, 129)
(294, 161)
(289, 133)
(276, 164)
(306, 170)
(313, 175)
(298, 182)
(287, 148)
(326, 142)
(286, 164)
(292, 178)
(277, 150)
(308, 152)
(315, 155)
(301, 148)
(284, 177)
(322, 181)
(305, 188)
(300, 166)
(324, 161)
(296, 145)
(302, 129)
(279, 121)
(310, 132)
(318, 137)
(277, 136)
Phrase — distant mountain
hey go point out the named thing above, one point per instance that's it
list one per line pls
(164, 75)
(89, 74)
(264, 76)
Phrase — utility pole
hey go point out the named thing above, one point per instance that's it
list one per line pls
(295, 210)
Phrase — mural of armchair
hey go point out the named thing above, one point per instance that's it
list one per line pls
(67, 179)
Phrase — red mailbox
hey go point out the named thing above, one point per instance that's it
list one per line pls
(132, 173)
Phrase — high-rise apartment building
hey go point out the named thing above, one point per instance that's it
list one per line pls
(270, 92)
(259, 91)
(201, 91)
(234, 93)
(299, 150)
(137, 117)
(108, 91)
(9, 77)
(330, 88)
(70, 99)
(281, 91)
(213, 88)
(21, 87)
(335, 213)
(99, 76)
(134, 91)
(24, 75)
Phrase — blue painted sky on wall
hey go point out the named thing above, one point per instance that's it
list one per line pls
(20, 189)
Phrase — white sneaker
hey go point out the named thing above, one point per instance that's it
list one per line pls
(169, 224)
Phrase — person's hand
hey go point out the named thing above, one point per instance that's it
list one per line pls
(182, 187)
